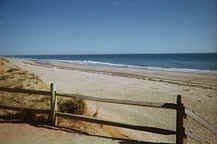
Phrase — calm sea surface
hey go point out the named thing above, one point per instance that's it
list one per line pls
(176, 61)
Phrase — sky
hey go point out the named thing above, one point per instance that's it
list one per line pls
(107, 26)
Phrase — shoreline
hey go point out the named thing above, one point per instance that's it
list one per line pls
(205, 79)
(118, 65)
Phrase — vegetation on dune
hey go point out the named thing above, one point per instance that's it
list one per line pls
(69, 105)
(12, 76)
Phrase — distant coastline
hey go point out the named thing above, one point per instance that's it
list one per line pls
(206, 62)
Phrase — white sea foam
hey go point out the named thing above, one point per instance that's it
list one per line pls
(182, 70)
(89, 62)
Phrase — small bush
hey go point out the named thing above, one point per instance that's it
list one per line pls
(75, 106)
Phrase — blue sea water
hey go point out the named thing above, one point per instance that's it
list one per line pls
(176, 61)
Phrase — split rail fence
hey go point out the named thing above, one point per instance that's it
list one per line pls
(53, 113)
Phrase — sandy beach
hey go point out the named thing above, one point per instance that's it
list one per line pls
(198, 90)
(108, 72)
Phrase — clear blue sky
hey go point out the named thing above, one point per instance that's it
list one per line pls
(107, 26)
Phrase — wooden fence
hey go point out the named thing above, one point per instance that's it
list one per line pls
(53, 113)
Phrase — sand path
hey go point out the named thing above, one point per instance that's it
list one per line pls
(30, 134)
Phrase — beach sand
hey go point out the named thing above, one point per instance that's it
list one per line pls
(198, 90)
(23, 127)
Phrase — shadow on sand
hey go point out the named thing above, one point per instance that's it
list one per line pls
(28, 117)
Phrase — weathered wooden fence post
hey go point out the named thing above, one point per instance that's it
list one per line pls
(180, 114)
(53, 104)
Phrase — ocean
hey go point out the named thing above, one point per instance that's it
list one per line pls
(155, 61)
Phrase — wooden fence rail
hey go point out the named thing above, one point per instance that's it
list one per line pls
(116, 101)
(26, 91)
(19, 108)
(111, 123)
(180, 111)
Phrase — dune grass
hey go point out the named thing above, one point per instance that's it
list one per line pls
(12, 76)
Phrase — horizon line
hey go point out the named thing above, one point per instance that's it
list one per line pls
(111, 53)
